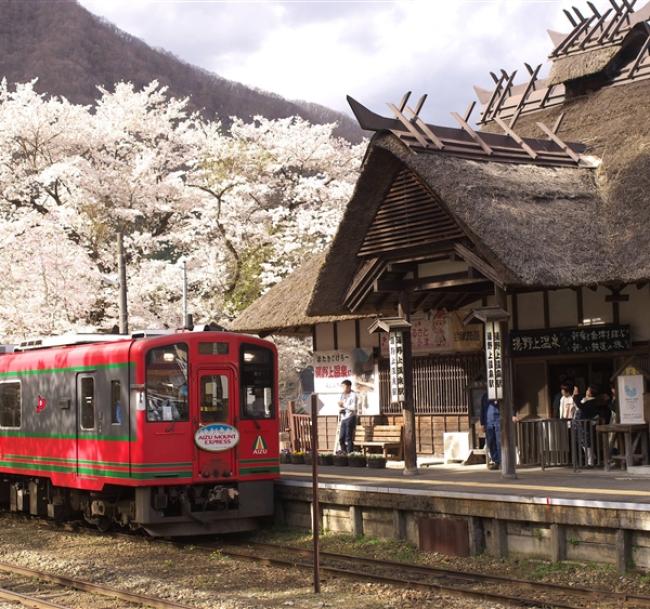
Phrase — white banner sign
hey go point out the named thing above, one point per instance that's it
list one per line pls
(630, 399)
(331, 368)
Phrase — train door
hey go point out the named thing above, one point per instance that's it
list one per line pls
(215, 435)
(167, 432)
(88, 423)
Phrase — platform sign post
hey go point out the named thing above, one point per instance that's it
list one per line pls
(315, 511)
(493, 352)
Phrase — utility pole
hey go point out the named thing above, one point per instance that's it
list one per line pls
(121, 268)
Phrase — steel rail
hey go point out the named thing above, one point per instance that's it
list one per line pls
(28, 601)
(464, 575)
(86, 586)
(403, 582)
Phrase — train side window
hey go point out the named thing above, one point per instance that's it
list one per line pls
(117, 407)
(257, 382)
(166, 383)
(10, 404)
(214, 398)
(87, 402)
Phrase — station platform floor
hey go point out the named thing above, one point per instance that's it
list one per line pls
(552, 486)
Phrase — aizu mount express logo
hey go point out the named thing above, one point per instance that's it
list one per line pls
(259, 446)
(216, 437)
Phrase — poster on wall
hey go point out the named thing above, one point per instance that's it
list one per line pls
(440, 331)
(630, 398)
(331, 368)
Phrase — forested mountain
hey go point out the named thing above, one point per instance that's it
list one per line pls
(71, 51)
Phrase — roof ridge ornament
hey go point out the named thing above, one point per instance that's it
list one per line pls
(465, 142)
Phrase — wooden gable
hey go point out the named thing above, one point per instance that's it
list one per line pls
(408, 218)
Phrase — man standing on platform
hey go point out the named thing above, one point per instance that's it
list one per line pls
(348, 414)
(490, 420)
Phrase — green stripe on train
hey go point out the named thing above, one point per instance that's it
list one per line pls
(18, 373)
(11, 433)
(110, 463)
(64, 469)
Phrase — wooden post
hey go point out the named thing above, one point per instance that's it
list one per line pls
(291, 411)
(508, 469)
(315, 512)
(408, 410)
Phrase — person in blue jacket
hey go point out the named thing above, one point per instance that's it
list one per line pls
(490, 420)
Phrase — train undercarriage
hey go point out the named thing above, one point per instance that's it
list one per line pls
(170, 510)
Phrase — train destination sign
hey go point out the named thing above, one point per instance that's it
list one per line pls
(216, 437)
(591, 339)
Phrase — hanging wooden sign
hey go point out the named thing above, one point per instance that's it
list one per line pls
(396, 355)
(493, 360)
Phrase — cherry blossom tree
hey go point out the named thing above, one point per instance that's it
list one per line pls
(242, 207)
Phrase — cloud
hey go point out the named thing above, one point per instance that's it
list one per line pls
(321, 51)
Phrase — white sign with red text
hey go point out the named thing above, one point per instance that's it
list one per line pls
(331, 368)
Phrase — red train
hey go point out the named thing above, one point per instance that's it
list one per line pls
(175, 433)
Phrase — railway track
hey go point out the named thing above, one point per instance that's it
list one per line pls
(523, 593)
(481, 586)
(41, 590)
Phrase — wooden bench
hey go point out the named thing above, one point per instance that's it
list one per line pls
(386, 437)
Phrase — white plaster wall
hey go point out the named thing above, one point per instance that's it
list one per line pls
(530, 311)
(636, 312)
(325, 337)
(594, 305)
(346, 334)
(441, 267)
(563, 308)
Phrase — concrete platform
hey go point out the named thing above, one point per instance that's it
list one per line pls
(560, 486)
(557, 514)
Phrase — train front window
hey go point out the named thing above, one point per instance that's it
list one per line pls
(214, 398)
(256, 382)
(166, 383)
(10, 403)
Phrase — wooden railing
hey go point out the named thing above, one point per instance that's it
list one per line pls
(558, 442)
(299, 429)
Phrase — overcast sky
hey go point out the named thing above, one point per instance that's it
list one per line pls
(321, 51)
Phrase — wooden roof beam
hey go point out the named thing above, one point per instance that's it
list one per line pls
(475, 136)
(506, 92)
(599, 24)
(475, 261)
(436, 141)
(553, 137)
(488, 106)
(408, 125)
(508, 131)
(432, 284)
(530, 87)
(568, 42)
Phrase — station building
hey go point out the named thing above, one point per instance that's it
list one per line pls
(542, 207)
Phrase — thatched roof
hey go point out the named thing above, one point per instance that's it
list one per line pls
(284, 306)
(604, 59)
(520, 217)
(572, 67)
(614, 123)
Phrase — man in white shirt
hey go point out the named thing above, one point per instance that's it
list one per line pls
(348, 414)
